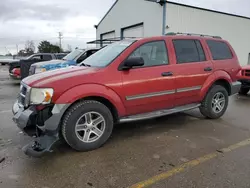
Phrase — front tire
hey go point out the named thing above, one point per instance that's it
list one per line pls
(244, 91)
(87, 125)
(215, 103)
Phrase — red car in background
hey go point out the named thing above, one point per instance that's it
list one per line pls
(244, 78)
(15, 74)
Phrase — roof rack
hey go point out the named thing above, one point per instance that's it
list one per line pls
(193, 34)
(109, 40)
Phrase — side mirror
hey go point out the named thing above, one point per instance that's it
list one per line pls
(132, 62)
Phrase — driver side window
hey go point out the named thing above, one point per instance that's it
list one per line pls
(153, 53)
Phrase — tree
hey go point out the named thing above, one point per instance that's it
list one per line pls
(47, 47)
(22, 53)
(29, 47)
(8, 54)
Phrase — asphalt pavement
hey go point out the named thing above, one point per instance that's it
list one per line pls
(181, 150)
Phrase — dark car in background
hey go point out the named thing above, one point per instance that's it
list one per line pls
(25, 63)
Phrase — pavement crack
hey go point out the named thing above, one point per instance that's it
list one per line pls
(2, 159)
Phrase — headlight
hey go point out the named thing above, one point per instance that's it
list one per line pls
(41, 95)
(39, 70)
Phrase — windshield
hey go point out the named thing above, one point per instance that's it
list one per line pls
(71, 56)
(105, 56)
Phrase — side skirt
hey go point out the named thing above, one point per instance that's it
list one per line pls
(159, 113)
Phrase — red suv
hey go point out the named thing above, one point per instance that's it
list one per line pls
(129, 80)
(244, 78)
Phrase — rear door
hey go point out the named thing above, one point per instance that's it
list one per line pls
(193, 67)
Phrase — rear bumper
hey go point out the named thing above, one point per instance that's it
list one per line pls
(45, 130)
(235, 87)
(15, 77)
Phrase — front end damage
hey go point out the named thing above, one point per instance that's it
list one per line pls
(42, 122)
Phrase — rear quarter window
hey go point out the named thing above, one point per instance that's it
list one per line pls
(47, 57)
(219, 50)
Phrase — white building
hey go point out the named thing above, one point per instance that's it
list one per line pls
(143, 18)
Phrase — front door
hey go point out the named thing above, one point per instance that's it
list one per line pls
(150, 87)
(192, 70)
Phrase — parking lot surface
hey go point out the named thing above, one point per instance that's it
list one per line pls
(171, 151)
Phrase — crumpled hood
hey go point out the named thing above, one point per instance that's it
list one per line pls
(54, 64)
(69, 77)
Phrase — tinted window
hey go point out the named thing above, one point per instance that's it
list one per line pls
(47, 57)
(82, 58)
(189, 51)
(153, 53)
(219, 50)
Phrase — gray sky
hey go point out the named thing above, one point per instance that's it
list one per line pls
(22, 20)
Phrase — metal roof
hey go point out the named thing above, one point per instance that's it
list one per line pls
(180, 4)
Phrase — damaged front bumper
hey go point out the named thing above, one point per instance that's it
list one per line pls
(41, 124)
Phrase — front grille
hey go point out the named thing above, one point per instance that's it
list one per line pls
(23, 95)
(246, 73)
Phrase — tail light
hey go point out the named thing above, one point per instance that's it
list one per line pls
(246, 73)
(16, 71)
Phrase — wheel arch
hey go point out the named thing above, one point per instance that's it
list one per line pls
(218, 78)
(102, 100)
(100, 93)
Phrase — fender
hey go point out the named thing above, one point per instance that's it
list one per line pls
(92, 90)
(218, 75)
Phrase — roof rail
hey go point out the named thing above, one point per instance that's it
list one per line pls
(109, 40)
(193, 34)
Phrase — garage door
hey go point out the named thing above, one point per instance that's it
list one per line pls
(135, 31)
(108, 35)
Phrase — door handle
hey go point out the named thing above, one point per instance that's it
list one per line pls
(208, 69)
(167, 74)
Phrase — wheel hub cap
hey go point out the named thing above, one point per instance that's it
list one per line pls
(90, 127)
(218, 102)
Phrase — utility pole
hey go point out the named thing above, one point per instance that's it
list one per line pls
(60, 40)
(17, 49)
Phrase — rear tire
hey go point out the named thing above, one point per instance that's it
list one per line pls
(244, 91)
(87, 125)
(215, 103)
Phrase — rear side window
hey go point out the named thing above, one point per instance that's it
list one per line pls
(220, 50)
(188, 51)
(47, 57)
